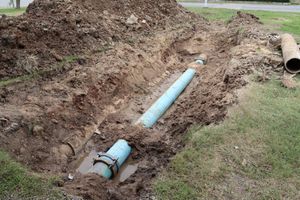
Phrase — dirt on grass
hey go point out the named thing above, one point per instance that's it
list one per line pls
(125, 55)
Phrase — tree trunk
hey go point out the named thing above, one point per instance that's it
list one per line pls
(18, 4)
(12, 3)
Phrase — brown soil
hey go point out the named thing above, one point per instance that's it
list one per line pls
(120, 70)
(50, 30)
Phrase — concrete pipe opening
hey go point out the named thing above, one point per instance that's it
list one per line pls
(291, 53)
(293, 65)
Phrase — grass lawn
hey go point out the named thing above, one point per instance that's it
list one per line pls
(16, 182)
(252, 155)
(279, 21)
(12, 11)
(255, 152)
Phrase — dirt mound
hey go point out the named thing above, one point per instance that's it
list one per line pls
(51, 30)
(242, 18)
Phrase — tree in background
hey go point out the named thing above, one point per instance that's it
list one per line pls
(12, 3)
(18, 4)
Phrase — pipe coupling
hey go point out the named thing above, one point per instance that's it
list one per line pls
(201, 59)
(111, 162)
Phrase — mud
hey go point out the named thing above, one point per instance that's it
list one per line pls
(53, 121)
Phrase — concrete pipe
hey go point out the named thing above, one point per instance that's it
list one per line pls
(291, 53)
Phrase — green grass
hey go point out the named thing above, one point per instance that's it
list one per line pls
(252, 155)
(18, 183)
(12, 11)
(281, 21)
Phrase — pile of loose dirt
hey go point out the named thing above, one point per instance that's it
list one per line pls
(243, 19)
(51, 30)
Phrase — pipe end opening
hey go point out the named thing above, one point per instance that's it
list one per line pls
(293, 65)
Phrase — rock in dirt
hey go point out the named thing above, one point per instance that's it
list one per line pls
(56, 56)
(70, 177)
(275, 39)
(244, 162)
(37, 130)
(13, 127)
(3, 121)
(132, 20)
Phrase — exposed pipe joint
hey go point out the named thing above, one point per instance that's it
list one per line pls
(202, 59)
(108, 164)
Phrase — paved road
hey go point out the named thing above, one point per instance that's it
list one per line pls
(275, 7)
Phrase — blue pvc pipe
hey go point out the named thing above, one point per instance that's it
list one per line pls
(150, 117)
(120, 151)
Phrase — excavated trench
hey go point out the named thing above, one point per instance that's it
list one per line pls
(204, 101)
(55, 122)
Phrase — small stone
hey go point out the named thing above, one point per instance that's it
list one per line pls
(102, 137)
(37, 130)
(244, 162)
(54, 121)
(236, 147)
(105, 12)
(3, 121)
(132, 20)
(12, 128)
(22, 150)
(70, 177)
(97, 132)
(56, 56)
(10, 23)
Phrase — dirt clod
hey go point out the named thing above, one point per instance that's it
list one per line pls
(37, 130)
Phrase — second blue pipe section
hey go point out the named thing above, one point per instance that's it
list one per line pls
(152, 115)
